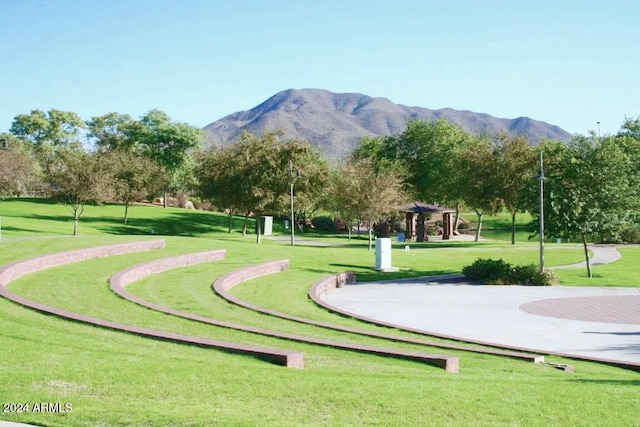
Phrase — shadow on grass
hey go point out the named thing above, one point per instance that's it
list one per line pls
(370, 274)
(185, 224)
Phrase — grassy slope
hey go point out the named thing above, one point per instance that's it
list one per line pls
(117, 379)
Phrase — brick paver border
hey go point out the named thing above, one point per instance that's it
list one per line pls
(12, 271)
(120, 280)
(341, 279)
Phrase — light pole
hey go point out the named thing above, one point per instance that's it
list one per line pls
(291, 178)
(541, 207)
(598, 130)
(4, 145)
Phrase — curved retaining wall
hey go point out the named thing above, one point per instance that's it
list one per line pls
(123, 278)
(21, 268)
(223, 284)
(321, 288)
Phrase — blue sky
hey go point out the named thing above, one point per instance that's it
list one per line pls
(570, 63)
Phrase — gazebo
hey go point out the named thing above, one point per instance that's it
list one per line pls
(416, 216)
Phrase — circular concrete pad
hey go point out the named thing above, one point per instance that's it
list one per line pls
(589, 322)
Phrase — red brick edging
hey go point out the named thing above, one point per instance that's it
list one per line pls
(349, 277)
(21, 268)
(229, 280)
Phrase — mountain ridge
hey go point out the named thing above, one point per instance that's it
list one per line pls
(335, 122)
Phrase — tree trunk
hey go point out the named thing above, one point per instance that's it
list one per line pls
(164, 200)
(244, 224)
(456, 219)
(586, 255)
(258, 229)
(370, 238)
(513, 227)
(126, 213)
(480, 216)
(349, 230)
(76, 220)
(230, 221)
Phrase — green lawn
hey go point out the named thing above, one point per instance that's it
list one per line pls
(116, 379)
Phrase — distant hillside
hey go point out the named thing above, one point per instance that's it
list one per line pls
(335, 122)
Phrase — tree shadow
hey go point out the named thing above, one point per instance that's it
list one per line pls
(370, 274)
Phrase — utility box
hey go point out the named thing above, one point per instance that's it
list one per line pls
(383, 255)
(266, 225)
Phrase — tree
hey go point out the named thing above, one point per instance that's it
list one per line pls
(168, 143)
(359, 192)
(630, 128)
(78, 178)
(430, 152)
(17, 169)
(111, 131)
(133, 176)
(514, 170)
(47, 133)
(253, 176)
(480, 186)
(220, 180)
(590, 187)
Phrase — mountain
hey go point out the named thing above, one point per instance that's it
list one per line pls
(335, 122)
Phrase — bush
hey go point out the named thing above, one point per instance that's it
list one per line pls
(522, 274)
(324, 223)
(492, 272)
(546, 278)
(630, 234)
(487, 270)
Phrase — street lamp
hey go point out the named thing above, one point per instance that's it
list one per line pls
(291, 178)
(598, 129)
(541, 207)
(4, 145)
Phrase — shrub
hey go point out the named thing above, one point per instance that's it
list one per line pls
(630, 234)
(492, 272)
(324, 223)
(522, 274)
(432, 231)
(486, 270)
(545, 278)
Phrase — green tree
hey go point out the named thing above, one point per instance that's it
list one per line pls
(514, 170)
(47, 133)
(133, 176)
(358, 191)
(480, 185)
(169, 143)
(111, 131)
(430, 152)
(590, 189)
(253, 176)
(77, 179)
(18, 170)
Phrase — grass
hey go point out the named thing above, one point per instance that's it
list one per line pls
(116, 379)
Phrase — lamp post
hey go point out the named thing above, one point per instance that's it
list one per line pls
(541, 207)
(598, 130)
(291, 178)
(4, 145)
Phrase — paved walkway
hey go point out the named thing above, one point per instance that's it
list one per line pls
(587, 322)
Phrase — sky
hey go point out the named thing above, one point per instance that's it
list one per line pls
(566, 62)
